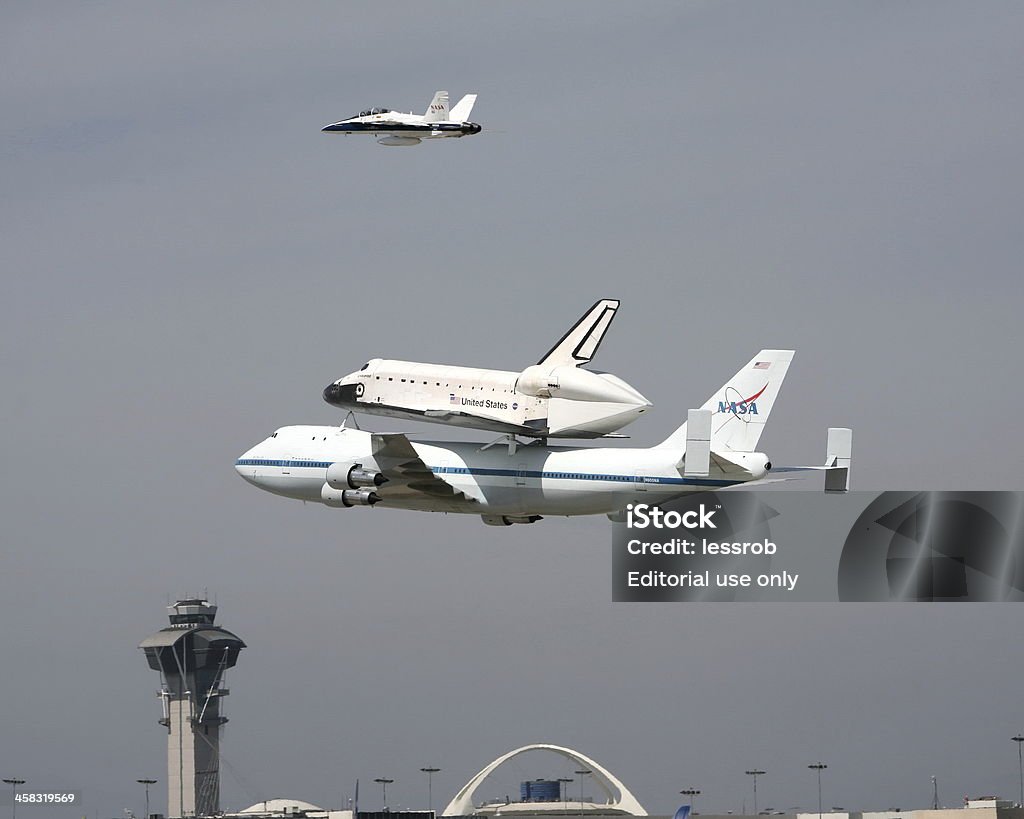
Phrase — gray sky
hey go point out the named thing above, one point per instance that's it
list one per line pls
(187, 261)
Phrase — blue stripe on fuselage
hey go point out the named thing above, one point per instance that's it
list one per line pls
(513, 473)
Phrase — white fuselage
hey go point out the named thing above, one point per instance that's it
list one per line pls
(556, 402)
(532, 480)
(402, 128)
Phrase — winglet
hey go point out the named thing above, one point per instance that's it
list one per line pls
(579, 345)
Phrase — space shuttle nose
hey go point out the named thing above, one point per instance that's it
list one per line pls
(342, 395)
(332, 393)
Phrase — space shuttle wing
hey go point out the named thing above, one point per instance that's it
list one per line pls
(456, 417)
(402, 464)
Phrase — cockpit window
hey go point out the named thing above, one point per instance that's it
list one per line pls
(274, 435)
(371, 111)
(367, 364)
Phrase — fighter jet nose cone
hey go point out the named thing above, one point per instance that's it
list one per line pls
(471, 128)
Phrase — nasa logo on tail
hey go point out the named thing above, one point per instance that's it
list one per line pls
(740, 406)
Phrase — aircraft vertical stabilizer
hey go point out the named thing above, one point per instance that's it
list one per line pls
(580, 344)
(437, 111)
(740, 408)
(462, 109)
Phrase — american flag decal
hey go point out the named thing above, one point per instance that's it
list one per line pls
(762, 365)
(452, 399)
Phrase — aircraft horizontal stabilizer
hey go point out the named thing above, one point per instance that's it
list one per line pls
(838, 458)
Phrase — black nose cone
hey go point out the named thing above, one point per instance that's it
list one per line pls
(338, 394)
(471, 128)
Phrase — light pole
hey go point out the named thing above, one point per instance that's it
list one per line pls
(755, 773)
(564, 785)
(430, 786)
(1020, 767)
(935, 793)
(384, 787)
(147, 783)
(13, 793)
(819, 767)
(582, 773)
(691, 792)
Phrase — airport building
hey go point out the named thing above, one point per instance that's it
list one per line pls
(192, 655)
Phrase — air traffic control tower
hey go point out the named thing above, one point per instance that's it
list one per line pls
(192, 655)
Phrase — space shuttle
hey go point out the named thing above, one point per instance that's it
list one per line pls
(554, 398)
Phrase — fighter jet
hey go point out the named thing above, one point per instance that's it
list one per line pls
(395, 128)
(554, 398)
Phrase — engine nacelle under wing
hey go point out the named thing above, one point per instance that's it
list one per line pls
(508, 520)
(337, 498)
(354, 476)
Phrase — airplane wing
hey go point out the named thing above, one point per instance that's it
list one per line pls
(399, 461)
(536, 428)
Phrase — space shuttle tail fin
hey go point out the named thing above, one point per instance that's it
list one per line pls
(580, 344)
(462, 109)
(437, 111)
(740, 408)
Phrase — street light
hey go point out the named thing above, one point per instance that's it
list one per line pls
(755, 773)
(819, 767)
(14, 792)
(384, 786)
(430, 786)
(582, 773)
(1018, 739)
(691, 792)
(564, 785)
(147, 783)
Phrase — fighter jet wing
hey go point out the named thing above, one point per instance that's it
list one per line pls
(399, 461)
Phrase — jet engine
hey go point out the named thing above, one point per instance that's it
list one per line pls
(341, 476)
(348, 497)
(508, 520)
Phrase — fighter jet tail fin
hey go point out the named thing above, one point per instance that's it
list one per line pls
(461, 111)
(740, 408)
(580, 344)
(437, 111)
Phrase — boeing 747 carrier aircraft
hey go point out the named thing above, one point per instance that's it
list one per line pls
(341, 467)
(554, 398)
